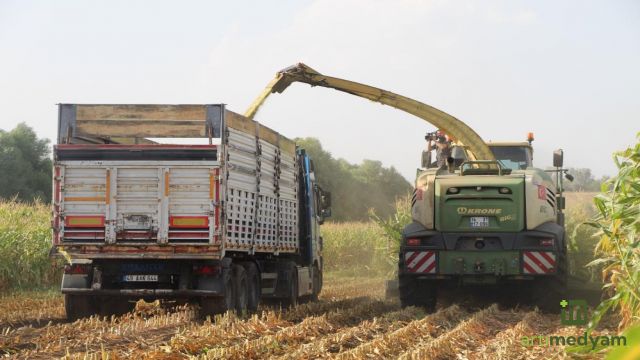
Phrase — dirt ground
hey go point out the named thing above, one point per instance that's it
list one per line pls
(352, 320)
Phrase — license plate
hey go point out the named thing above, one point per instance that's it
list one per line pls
(140, 278)
(479, 221)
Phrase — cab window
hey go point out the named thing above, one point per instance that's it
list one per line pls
(512, 157)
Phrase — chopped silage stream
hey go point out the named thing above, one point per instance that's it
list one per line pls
(352, 320)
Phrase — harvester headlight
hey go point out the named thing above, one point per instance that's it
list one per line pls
(453, 190)
(504, 190)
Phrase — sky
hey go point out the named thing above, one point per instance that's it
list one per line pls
(569, 71)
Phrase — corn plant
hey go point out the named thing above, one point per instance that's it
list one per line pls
(618, 227)
(25, 241)
(392, 228)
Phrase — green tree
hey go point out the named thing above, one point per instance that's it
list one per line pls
(25, 166)
(583, 181)
(356, 188)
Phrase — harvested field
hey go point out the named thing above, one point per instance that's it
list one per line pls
(352, 320)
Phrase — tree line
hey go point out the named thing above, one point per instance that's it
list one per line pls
(355, 188)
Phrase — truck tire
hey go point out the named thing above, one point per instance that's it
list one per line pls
(317, 283)
(254, 290)
(114, 306)
(417, 293)
(78, 306)
(210, 306)
(291, 299)
(241, 289)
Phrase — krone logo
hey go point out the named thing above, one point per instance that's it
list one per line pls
(469, 211)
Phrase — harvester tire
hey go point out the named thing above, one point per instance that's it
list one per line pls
(417, 293)
(549, 291)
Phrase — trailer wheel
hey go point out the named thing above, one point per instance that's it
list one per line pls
(78, 306)
(417, 293)
(210, 306)
(291, 299)
(254, 290)
(241, 289)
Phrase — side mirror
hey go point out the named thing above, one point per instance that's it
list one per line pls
(325, 199)
(558, 156)
(568, 177)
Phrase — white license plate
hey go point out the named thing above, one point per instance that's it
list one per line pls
(479, 221)
(140, 278)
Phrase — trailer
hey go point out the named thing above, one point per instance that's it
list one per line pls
(224, 223)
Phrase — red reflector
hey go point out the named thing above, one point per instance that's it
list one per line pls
(546, 242)
(206, 269)
(413, 242)
(77, 269)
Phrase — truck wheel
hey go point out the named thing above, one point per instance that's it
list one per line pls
(241, 289)
(254, 290)
(417, 293)
(317, 283)
(115, 306)
(291, 299)
(210, 306)
(78, 306)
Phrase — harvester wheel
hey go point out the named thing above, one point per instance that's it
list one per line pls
(417, 293)
(78, 306)
(551, 290)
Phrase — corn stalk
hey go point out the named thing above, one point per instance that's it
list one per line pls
(618, 226)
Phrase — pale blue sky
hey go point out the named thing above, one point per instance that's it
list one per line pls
(567, 70)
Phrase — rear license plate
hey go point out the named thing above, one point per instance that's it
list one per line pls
(479, 221)
(140, 278)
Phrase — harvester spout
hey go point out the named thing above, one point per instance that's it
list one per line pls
(447, 123)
